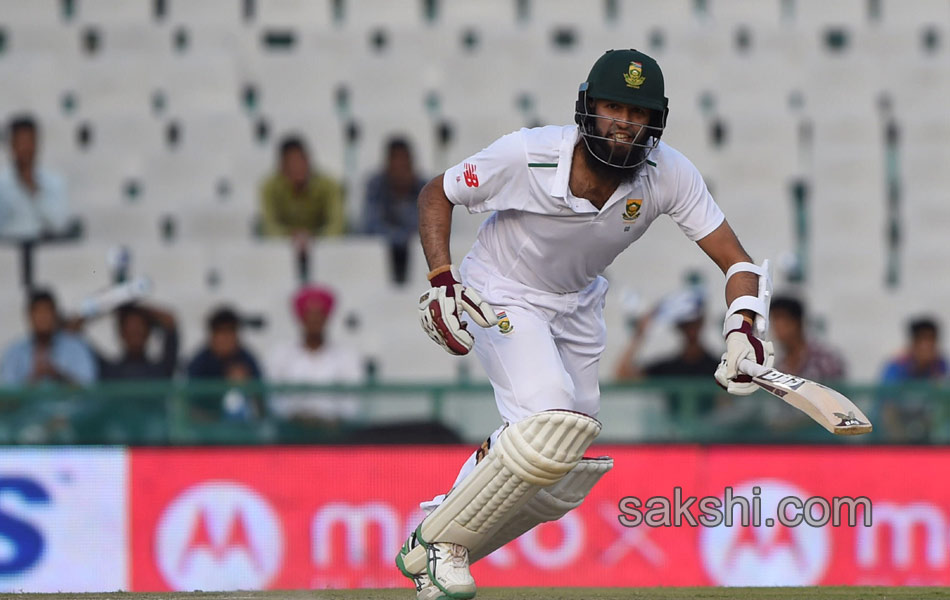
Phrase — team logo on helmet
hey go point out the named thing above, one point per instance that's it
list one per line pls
(634, 75)
(632, 211)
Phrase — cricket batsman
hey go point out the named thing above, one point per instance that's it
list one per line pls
(529, 299)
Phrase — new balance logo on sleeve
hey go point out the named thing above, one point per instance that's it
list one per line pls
(471, 179)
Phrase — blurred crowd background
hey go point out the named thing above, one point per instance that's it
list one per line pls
(222, 193)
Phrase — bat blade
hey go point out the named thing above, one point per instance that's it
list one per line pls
(827, 407)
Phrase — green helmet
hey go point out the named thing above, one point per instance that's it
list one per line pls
(627, 77)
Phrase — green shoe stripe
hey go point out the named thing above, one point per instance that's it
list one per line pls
(435, 582)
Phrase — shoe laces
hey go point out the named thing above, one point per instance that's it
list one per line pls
(458, 555)
(421, 581)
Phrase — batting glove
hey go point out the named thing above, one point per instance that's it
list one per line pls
(742, 344)
(440, 311)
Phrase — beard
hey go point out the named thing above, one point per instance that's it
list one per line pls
(597, 150)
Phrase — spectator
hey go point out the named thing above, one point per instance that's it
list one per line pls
(298, 201)
(685, 310)
(135, 324)
(33, 201)
(314, 359)
(797, 354)
(922, 359)
(48, 354)
(390, 207)
(909, 416)
(224, 358)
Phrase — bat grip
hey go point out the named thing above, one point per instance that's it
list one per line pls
(752, 368)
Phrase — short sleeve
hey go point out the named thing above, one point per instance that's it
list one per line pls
(488, 180)
(351, 367)
(78, 362)
(693, 207)
(11, 372)
(56, 202)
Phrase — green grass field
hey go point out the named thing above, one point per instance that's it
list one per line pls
(801, 593)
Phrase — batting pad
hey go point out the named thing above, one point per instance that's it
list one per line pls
(549, 504)
(527, 456)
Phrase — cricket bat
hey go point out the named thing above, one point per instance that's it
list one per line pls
(830, 409)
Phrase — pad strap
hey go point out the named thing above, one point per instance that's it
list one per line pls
(757, 304)
(748, 267)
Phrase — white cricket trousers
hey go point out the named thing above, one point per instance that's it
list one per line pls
(546, 357)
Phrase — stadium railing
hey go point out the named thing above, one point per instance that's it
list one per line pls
(654, 411)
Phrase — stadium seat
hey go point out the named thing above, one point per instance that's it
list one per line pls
(115, 84)
(925, 182)
(73, 271)
(34, 83)
(725, 14)
(363, 15)
(899, 43)
(36, 12)
(548, 14)
(696, 43)
(10, 267)
(179, 179)
(42, 39)
(455, 15)
(816, 15)
(119, 13)
(128, 134)
(204, 133)
(922, 83)
(923, 12)
(283, 81)
(687, 132)
(223, 14)
(309, 15)
(140, 39)
(204, 82)
(673, 11)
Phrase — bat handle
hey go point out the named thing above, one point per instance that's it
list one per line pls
(751, 367)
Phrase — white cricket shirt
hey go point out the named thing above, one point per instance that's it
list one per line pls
(330, 364)
(545, 237)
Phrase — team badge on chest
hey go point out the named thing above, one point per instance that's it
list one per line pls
(632, 210)
(504, 323)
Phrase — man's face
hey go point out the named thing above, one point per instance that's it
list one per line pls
(691, 330)
(134, 332)
(617, 128)
(224, 340)
(399, 167)
(23, 146)
(42, 319)
(614, 127)
(313, 320)
(785, 329)
(295, 166)
(923, 347)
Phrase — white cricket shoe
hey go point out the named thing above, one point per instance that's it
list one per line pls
(425, 589)
(448, 574)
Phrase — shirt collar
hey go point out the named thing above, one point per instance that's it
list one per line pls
(565, 155)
